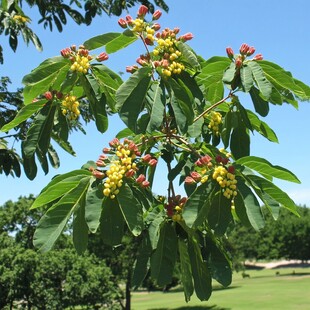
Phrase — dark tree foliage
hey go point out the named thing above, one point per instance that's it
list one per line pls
(288, 237)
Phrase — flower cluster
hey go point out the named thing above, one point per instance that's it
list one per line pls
(245, 51)
(20, 19)
(174, 207)
(166, 56)
(70, 107)
(80, 58)
(215, 121)
(219, 170)
(123, 164)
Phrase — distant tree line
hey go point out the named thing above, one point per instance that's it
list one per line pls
(286, 238)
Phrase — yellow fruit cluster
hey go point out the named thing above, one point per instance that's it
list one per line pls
(20, 19)
(70, 107)
(117, 170)
(138, 25)
(167, 50)
(80, 64)
(226, 180)
(216, 120)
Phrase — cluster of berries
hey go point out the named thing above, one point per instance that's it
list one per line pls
(166, 56)
(80, 58)
(245, 51)
(70, 107)
(20, 19)
(174, 207)
(122, 164)
(215, 122)
(224, 175)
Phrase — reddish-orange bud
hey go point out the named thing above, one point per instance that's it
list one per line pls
(230, 52)
(156, 26)
(244, 49)
(196, 176)
(148, 41)
(141, 62)
(146, 158)
(153, 162)
(48, 95)
(114, 142)
(231, 169)
(143, 10)
(238, 62)
(129, 20)
(106, 150)
(189, 180)
(65, 52)
(258, 57)
(140, 178)
(251, 51)
(145, 184)
(97, 174)
(186, 37)
(131, 69)
(102, 56)
(130, 173)
(157, 14)
(100, 163)
(122, 22)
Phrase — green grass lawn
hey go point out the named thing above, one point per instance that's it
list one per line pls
(263, 290)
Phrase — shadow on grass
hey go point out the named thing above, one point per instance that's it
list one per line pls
(214, 307)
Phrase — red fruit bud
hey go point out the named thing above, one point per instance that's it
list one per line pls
(102, 56)
(129, 20)
(244, 49)
(103, 157)
(231, 169)
(143, 10)
(153, 162)
(189, 180)
(157, 14)
(156, 26)
(148, 41)
(218, 158)
(147, 158)
(73, 47)
(100, 163)
(199, 163)
(131, 69)
(182, 200)
(145, 184)
(122, 22)
(106, 150)
(65, 52)
(48, 95)
(176, 30)
(59, 95)
(196, 176)
(251, 51)
(238, 62)
(114, 142)
(130, 173)
(205, 159)
(98, 174)
(141, 62)
(258, 57)
(230, 52)
(186, 37)
(140, 178)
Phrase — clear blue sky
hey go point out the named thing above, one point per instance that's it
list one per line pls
(280, 30)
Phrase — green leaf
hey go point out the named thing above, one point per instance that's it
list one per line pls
(188, 55)
(121, 41)
(154, 229)
(101, 40)
(200, 272)
(59, 186)
(38, 135)
(93, 207)
(131, 209)
(194, 130)
(252, 206)
(111, 222)
(215, 92)
(261, 81)
(246, 78)
(186, 271)
(55, 219)
(164, 257)
(179, 116)
(261, 106)
(219, 216)
(24, 114)
(241, 211)
(97, 101)
(131, 95)
(262, 127)
(43, 77)
(240, 142)
(157, 101)
(140, 268)
(229, 73)
(265, 168)
(282, 79)
(220, 264)
(80, 229)
(29, 164)
(275, 192)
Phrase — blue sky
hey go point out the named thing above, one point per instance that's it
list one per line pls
(280, 30)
